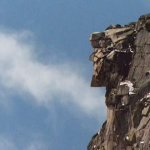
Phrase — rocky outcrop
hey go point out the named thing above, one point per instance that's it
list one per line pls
(121, 60)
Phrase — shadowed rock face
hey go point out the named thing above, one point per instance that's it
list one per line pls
(121, 60)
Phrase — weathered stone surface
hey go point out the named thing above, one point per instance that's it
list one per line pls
(121, 60)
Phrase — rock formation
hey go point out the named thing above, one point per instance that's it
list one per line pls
(121, 60)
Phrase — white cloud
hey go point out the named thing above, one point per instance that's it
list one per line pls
(37, 146)
(6, 144)
(20, 70)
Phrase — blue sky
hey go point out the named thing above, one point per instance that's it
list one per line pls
(46, 102)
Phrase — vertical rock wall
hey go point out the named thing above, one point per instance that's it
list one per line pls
(121, 62)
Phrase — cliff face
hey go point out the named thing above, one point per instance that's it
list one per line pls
(121, 60)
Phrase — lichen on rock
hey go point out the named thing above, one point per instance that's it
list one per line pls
(121, 62)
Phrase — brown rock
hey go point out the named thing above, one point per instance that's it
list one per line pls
(123, 66)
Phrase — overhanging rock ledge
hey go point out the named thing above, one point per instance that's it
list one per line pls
(121, 62)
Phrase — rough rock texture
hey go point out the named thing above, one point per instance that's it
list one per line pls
(121, 61)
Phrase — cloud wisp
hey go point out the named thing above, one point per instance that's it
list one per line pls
(7, 143)
(20, 70)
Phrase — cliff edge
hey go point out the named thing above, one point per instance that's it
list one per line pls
(121, 61)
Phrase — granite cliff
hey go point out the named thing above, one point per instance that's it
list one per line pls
(121, 62)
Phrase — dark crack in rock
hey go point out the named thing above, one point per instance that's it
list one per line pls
(121, 60)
